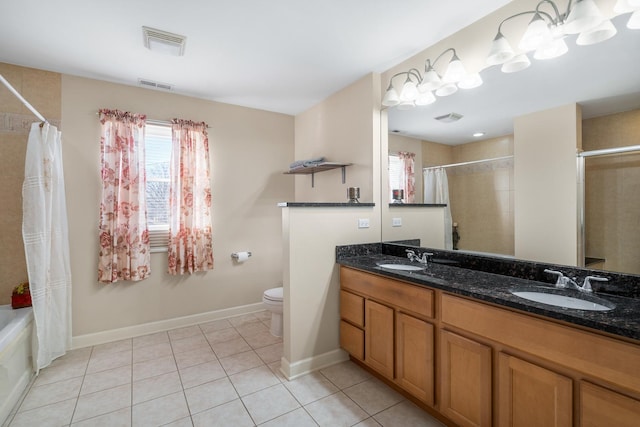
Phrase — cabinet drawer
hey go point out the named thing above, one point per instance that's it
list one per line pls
(352, 340)
(352, 308)
(404, 296)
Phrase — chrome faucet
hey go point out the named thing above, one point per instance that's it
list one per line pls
(422, 259)
(563, 281)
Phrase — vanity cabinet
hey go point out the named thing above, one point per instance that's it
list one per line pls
(398, 337)
(602, 407)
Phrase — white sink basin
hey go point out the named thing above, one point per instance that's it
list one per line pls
(566, 301)
(401, 267)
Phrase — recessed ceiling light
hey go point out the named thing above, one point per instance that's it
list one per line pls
(163, 41)
(478, 134)
(449, 118)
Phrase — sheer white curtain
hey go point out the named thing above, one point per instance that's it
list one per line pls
(436, 190)
(46, 244)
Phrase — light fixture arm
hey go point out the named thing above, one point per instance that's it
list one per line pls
(455, 55)
(528, 12)
(410, 73)
(559, 18)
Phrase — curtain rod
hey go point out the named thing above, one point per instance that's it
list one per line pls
(468, 163)
(21, 98)
(607, 151)
(156, 122)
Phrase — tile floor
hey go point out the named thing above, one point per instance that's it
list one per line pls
(221, 373)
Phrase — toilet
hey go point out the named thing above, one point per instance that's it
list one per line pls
(272, 299)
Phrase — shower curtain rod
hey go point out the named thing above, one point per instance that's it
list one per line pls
(607, 151)
(21, 98)
(468, 163)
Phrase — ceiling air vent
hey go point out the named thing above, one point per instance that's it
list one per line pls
(154, 85)
(449, 118)
(163, 41)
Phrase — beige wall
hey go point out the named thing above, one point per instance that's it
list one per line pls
(249, 151)
(340, 129)
(42, 90)
(612, 186)
(545, 145)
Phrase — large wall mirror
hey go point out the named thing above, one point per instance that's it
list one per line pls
(602, 78)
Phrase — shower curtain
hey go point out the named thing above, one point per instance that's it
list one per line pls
(436, 190)
(46, 244)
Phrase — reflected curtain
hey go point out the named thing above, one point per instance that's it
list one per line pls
(408, 176)
(124, 237)
(190, 233)
(46, 243)
(436, 190)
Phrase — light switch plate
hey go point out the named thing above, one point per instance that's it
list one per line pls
(396, 222)
(363, 223)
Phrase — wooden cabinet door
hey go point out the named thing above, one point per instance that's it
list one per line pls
(378, 353)
(530, 396)
(602, 407)
(414, 356)
(465, 380)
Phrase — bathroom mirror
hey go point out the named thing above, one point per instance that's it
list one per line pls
(602, 78)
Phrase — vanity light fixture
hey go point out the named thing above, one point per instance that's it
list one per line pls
(419, 89)
(546, 31)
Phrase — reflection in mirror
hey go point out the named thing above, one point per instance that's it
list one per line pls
(600, 78)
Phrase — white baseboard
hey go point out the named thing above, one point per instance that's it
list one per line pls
(296, 369)
(162, 325)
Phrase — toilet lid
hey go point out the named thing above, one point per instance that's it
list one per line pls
(273, 294)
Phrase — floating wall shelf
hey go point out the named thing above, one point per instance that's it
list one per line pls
(320, 167)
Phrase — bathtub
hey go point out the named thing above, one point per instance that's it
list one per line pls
(16, 369)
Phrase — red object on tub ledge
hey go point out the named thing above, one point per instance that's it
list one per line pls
(21, 296)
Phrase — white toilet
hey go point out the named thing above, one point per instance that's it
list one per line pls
(272, 299)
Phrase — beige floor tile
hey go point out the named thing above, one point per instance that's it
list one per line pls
(183, 422)
(406, 414)
(253, 380)
(216, 325)
(270, 403)
(229, 348)
(74, 355)
(195, 357)
(62, 371)
(55, 415)
(222, 335)
(113, 347)
(275, 368)
(369, 422)
(105, 361)
(310, 387)
(336, 410)
(373, 396)
(152, 368)
(152, 352)
(252, 328)
(185, 332)
(151, 339)
(106, 379)
(262, 339)
(102, 402)
(241, 362)
(155, 387)
(271, 353)
(121, 418)
(263, 315)
(189, 343)
(230, 414)
(210, 395)
(200, 374)
(243, 319)
(51, 393)
(345, 374)
(296, 418)
(160, 411)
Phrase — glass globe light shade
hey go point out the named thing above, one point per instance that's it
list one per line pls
(425, 98)
(447, 89)
(584, 16)
(409, 90)
(455, 71)
(406, 105)
(518, 63)
(431, 80)
(501, 51)
(470, 81)
(551, 50)
(602, 32)
(634, 21)
(391, 97)
(536, 34)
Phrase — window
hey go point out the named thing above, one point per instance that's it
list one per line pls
(157, 158)
(395, 173)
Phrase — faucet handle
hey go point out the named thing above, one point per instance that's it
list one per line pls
(586, 286)
(558, 275)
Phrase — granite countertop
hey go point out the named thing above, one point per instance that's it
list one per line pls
(623, 320)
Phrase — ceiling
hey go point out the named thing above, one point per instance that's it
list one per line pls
(280, 55)
(603, 78)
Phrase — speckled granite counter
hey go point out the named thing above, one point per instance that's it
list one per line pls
(471, 281)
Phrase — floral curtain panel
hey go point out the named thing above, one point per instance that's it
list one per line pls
(409, 178)
(124, 237)
(190, 236)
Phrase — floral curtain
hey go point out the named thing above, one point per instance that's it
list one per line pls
(124, 238)
(408, 174)
(190, 237)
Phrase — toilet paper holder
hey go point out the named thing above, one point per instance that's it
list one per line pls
(235, 255)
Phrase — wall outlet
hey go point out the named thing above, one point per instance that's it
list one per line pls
(363, 223)
(396, 222)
